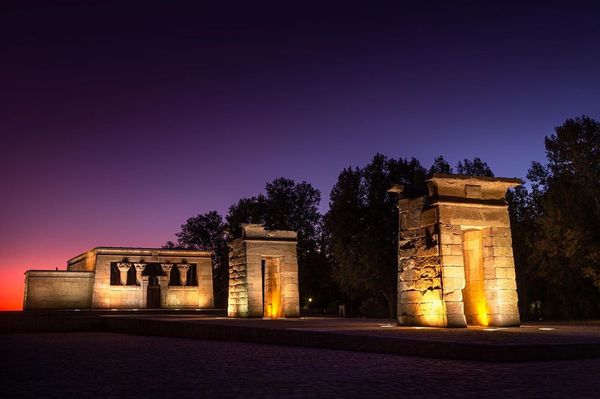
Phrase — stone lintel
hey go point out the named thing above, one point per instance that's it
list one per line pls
(470, 189)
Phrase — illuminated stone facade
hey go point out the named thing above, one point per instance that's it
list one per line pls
(263, 274)
(124, 278)
(456, 264)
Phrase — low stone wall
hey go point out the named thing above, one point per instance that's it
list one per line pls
(181, 297)
(126, 296)
(58, 290)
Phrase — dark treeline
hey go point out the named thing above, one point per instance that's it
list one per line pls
(349, 255)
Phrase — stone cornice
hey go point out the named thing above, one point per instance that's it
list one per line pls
(141, 252)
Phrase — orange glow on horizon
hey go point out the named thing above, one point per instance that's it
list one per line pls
(12, 284)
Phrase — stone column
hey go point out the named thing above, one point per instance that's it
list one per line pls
(139, 268)
(166, 267)
(123, 269)
(183, 271)
(163, 281)
(144, 284)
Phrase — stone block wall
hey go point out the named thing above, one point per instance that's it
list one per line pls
(246, 256)
(114, 296)
(453, 271)
(57, 290)
(433, 288)
(237, 303)
(43, 289)
(420, 272)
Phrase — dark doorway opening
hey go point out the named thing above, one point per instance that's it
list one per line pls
(153, 293)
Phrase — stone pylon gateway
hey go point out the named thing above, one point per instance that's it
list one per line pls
(263, 274)
(456, 264)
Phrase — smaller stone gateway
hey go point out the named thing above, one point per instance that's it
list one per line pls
(263, 274)
(456, 264)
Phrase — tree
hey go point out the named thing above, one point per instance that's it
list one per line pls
(294, 206)
(344, 224)
(246, 210)
(522, 211)
(363, 226)
(207, 232)
(440, 166)
(288, 205)
(476, 167)
(566, 193)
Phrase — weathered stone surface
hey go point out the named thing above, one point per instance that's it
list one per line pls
(411, 297)
(452, 260)
(429, 272)
(454, 271)
(421, 284)
(453, 296)
(452, 249)
(58, 290)
(260, 251)
(431, 251)
(432, 295)
(499, 261)
(500, 283)
(455, 308)
(496, 295)
(507, 308)
(421, 262)
(501, 232)
(453, 283)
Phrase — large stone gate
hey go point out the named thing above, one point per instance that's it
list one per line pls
(456, 264)
(263, 274)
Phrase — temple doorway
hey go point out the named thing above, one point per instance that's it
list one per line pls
(153, 293)
(271, 282)
(473, 293)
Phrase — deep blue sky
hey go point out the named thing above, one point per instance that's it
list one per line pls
(121, 119)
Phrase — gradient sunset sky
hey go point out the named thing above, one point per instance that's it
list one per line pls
(120, 120)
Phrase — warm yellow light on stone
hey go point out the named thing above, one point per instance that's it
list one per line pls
(263, 274)
(433, 313)
(272, 302)
(455, 259)
(482, 317)
(474, 295)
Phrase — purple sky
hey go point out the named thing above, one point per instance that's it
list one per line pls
(120, 121)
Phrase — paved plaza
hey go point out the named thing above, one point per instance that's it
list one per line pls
(528, 333)
(97, 364)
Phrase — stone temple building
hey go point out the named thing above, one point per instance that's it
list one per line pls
(456, 264)
(263, 274)
(124, 278)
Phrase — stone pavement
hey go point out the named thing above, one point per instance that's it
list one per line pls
(107, 365)
(532, 341)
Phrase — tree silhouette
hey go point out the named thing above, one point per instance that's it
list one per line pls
(562, 229)
(476, 167)
(363, 225)
(207, 232)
